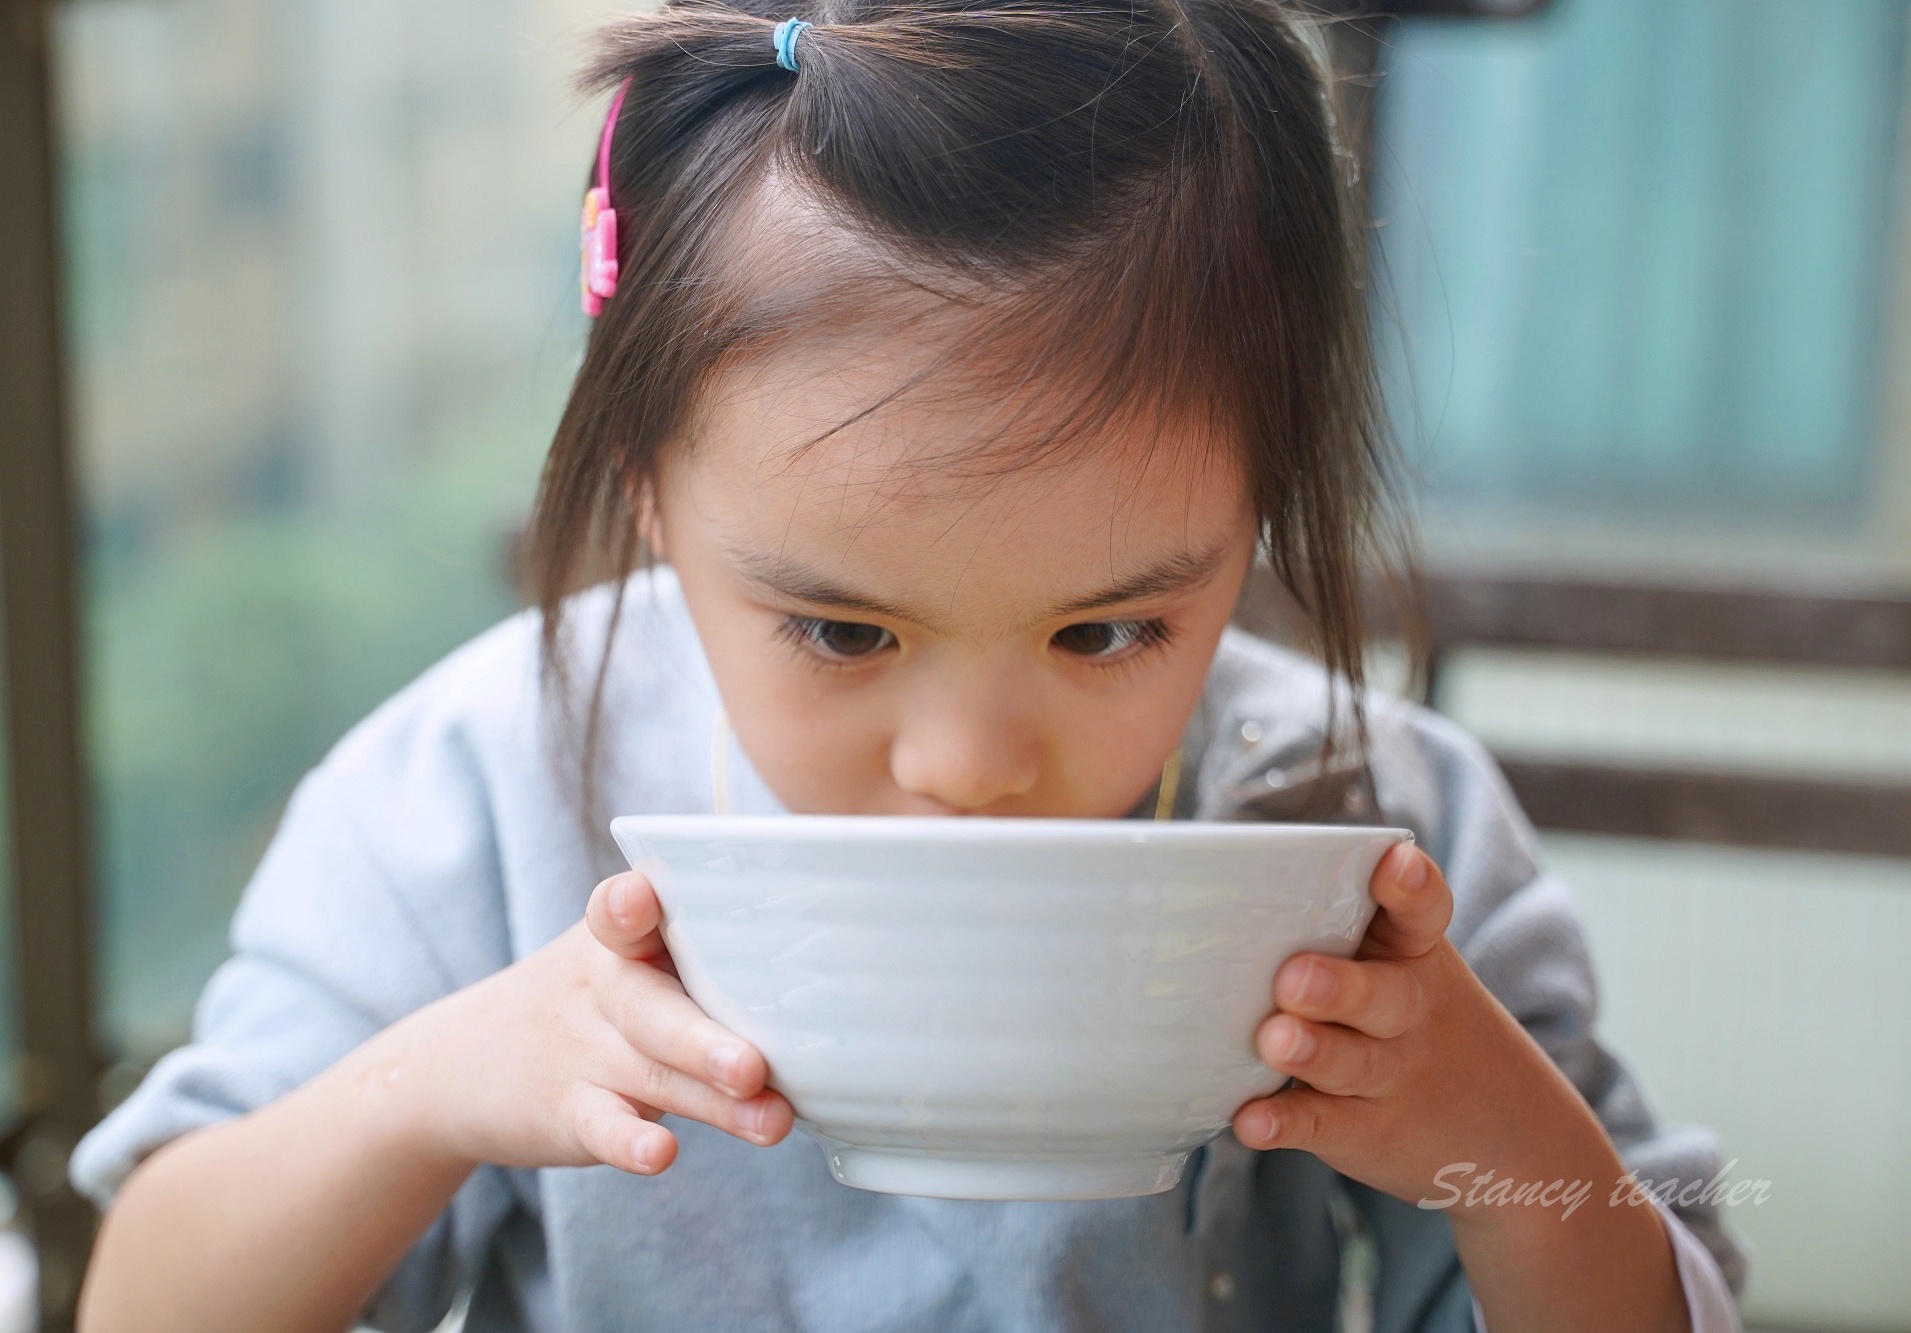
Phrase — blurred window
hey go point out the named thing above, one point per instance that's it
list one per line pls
(1646, 323)
(1636, 247)
(322, 313)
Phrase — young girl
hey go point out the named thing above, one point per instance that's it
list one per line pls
(958, 358)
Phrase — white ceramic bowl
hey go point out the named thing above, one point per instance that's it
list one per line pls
(1002, 1008)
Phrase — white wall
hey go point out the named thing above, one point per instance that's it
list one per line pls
(1768, 995)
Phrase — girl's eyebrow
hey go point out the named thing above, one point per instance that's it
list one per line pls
(788, 578)
(1182, 571)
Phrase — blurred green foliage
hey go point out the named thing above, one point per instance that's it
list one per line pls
(225, 661)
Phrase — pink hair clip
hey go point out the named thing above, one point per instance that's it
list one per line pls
(599, 274)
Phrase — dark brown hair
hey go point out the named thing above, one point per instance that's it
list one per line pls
(1144, 195)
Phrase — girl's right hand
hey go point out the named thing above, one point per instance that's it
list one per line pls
(569, 1056)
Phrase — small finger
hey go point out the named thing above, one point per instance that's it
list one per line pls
(1415, 905)
(1295, 1118)
(652, 1013)
(763, 1119)
(610, 1129)
(1379, 997)
(1334, 1059)
(624, 914)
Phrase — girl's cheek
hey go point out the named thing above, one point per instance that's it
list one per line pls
(819, 754)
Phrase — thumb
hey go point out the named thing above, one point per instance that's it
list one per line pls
(611, 1130)
(1415, 905)
(623, 915)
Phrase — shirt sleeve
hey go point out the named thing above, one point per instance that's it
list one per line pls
(326, 952)
(1708, 1300)
(1263, 755)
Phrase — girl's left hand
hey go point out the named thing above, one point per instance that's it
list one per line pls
(1406, 1062)
(1407, 1065)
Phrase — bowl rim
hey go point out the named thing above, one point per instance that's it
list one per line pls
(971, 829)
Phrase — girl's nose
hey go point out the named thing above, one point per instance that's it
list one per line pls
(965, 759)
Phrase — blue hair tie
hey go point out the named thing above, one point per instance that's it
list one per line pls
(784, 39)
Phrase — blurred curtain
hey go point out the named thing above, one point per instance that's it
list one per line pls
(1636, 253)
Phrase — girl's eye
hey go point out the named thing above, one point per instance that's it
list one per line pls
(1110, 638)
(840, 640)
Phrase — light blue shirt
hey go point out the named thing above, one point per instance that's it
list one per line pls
(441, 840)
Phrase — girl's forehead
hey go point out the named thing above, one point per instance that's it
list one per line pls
(866, 425)
(860, 464)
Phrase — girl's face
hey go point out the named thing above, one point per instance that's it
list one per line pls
(893, 633)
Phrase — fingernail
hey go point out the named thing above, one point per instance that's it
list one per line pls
(1299, 1044)
(1413, 875)
(726, 1065)
(1260, 1125)
(1318, 985)
(646, 1150)
(754, 1117)
(623, 900)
